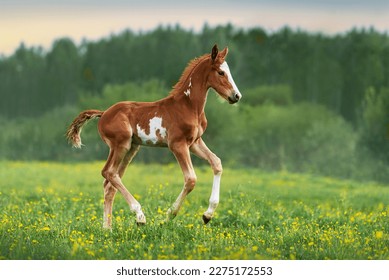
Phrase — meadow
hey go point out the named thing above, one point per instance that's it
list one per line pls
(54, 211)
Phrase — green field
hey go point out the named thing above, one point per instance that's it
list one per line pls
(54, 211)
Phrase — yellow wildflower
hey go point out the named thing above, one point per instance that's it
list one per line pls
(379, 234)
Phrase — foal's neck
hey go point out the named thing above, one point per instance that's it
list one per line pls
(194, 90)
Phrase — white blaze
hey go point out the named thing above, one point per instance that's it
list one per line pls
(155, 125)
(226, 69)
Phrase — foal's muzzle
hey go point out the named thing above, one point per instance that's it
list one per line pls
(234, 97)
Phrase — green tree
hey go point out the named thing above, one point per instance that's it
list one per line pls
(63, 74)
(21, 80)
(374, 124)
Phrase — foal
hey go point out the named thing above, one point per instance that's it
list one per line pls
(177, 122)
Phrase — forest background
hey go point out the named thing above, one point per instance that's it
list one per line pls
(312, 103)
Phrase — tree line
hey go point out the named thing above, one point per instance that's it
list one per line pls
(333, 71)
(311, 102)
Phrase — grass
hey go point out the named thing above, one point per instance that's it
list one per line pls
(54, 211)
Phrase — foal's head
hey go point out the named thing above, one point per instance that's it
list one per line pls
(220, 78)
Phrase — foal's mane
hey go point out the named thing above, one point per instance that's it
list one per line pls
(187, 72)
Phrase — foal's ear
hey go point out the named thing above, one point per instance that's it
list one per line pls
(223, 53)
(214, 52)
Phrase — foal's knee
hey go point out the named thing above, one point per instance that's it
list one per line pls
(217, 166)
(190, 183)
(108, 175)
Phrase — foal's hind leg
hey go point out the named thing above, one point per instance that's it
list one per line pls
(119, 157)
(109, 195)
(201, 150)
(110, 191)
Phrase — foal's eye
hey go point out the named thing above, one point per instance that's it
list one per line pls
(221, 73)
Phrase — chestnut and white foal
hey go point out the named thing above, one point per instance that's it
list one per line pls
(177, 122)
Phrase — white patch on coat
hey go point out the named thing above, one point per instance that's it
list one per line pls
(226, 69)
(187, 92)
(155, 125)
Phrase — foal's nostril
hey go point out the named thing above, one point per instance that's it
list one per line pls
(237, 97)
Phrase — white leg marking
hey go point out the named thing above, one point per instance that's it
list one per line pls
(140, 217)
(132, 202)
(214, 200)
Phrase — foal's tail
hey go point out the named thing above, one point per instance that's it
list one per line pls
(74, 130)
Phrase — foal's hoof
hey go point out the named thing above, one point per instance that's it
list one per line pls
(140, 219)
(170, 215)
(107, 228)
(206, 219)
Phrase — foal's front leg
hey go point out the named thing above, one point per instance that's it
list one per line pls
(181, 152)
(201, 150)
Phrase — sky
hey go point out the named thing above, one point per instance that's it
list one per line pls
(40, 22)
